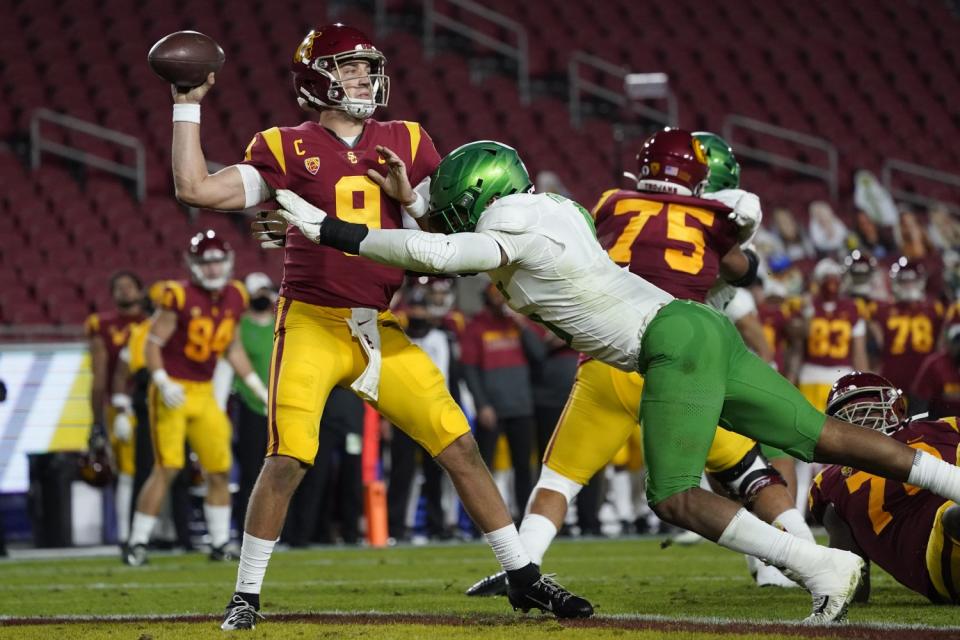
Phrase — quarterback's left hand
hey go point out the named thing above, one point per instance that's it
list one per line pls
(746, 213)
(396, 183)
(301, 214)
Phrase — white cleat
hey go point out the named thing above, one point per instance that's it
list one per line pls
(768, 576)
(833, 585)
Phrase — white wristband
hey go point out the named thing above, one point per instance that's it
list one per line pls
(121, 401)
(186, 112)
(418, 207)
(160, 377)
(255, 384)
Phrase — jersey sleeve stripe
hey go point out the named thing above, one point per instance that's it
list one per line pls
(244, 295)
(952, 422)
(603, 198)
(175, 289)
(275, 144)
(414, 130)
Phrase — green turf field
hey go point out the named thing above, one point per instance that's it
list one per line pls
(629, 581)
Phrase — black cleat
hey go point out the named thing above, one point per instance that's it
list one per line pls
(135, 556)
(240, 614)
(547, 595)
(495, 585)
(223, 553)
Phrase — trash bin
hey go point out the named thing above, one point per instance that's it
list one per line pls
(49, 498)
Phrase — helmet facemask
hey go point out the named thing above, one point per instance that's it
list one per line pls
(337, 96)
(872, 408)
(469, 179)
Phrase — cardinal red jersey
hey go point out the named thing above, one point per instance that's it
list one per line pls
(113, 328)
(938, 382)
(830, 332)
(890, 521)
(774, 319)
(324, 170)
(675, 242)
(910, 332)
(205, 326)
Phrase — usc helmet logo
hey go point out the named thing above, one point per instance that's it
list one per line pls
(305, 51)
(698, 151)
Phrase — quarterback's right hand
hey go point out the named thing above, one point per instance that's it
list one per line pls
(171, 392)
(195, 95)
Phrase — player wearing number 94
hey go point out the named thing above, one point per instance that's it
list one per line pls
(194, 324)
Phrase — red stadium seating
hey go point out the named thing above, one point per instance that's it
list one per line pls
(878, 79)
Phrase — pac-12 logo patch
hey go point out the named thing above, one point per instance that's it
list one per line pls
(312, 164)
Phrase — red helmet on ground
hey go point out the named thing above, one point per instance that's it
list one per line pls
(319, 80)
(867, 400)
(908, 280)
(672, 161)
(207, 249)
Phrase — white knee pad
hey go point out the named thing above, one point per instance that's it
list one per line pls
(550, 479)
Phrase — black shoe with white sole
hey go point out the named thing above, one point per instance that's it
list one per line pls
(547, 595)
(240, 614)
(495, 585)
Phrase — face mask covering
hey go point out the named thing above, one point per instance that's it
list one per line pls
(261, 303)
(418, 327)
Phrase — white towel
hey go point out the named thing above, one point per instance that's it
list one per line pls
(363, 325)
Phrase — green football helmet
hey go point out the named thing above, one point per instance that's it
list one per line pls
(468, 178)
(724, 168)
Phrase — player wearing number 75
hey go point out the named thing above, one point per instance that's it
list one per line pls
(541, 251)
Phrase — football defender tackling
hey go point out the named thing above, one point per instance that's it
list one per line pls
(541, 251)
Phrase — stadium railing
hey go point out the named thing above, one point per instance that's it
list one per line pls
(578, 85)
(434, 18)
(828, 174)
(137, 172)
(892, 165)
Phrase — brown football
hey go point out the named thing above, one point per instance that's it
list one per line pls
(185, 58)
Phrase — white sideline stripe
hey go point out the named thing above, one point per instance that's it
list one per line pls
(891, 626)
(61, 586)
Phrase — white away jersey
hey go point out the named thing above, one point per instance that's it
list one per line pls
(560, 276)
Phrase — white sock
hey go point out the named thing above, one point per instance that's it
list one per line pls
(536, 534)
(793, 523)
(142, 528)
(218, 523)
(506, 545)
(622, 495)
(748, 534)
(941, 478)
(254, 556)
(124, 500)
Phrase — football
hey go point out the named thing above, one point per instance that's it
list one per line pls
(185, 58)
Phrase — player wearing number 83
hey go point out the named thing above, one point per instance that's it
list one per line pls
(541, 251)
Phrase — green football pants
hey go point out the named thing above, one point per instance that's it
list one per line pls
(698, 374)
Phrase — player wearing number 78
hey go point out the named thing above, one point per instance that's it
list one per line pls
(541, 251)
